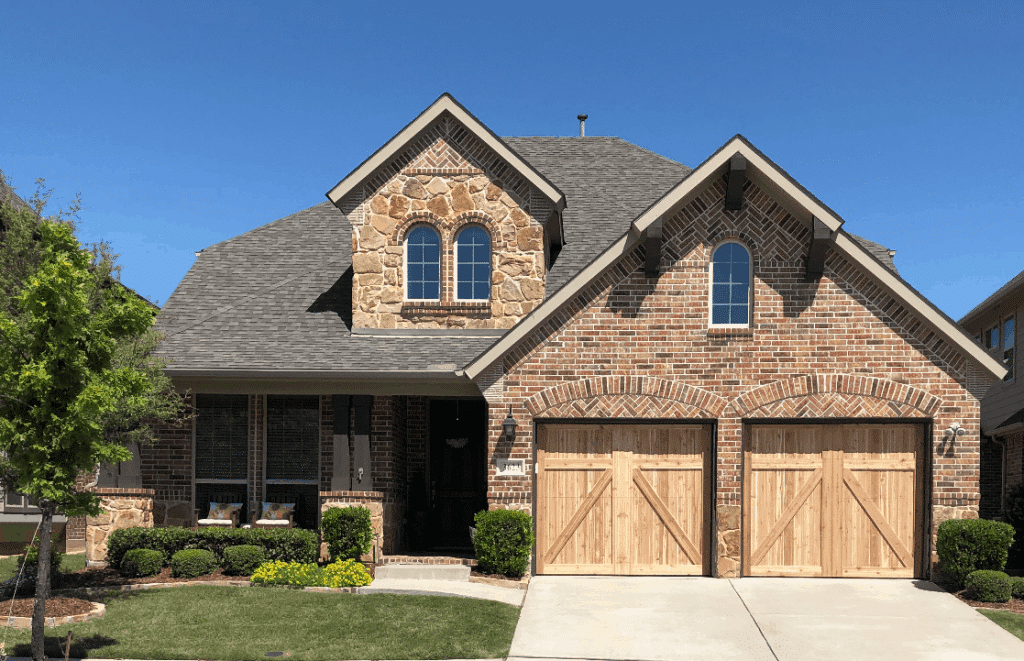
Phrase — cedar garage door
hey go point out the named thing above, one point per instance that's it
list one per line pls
(622, 498)
(833, 500)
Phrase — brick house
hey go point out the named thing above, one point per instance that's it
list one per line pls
(705, 372)
(992, 323)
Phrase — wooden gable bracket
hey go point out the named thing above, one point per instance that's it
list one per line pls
(821, 238)
(652, 246)
(736, 179)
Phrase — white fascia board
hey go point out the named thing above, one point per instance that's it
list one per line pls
(444, 104)
(945, 327)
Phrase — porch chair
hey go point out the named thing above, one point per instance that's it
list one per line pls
(275, 515)
(221, 514)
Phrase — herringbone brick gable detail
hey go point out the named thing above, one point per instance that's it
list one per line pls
(864, 396)
(640, 396)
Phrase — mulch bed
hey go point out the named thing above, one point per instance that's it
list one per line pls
(109, 577)
(55, 607)
(1014, 605)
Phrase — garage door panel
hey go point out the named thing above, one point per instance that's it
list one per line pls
(860, 518)
(784, 525)
(651, 518)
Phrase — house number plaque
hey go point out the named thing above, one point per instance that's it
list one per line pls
(511, 467)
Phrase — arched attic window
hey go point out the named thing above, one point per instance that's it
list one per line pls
(423, 264)
(473, 264)
(730, 285)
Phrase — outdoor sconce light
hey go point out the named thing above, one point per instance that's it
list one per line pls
(508, 427)
(956, 430)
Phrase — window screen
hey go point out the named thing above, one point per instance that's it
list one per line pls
(222, 437)
(730, 285)
(293, 437)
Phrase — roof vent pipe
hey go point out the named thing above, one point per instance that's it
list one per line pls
(583, 122)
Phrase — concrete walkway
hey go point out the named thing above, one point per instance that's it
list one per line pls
(445, 588)
(664, 619)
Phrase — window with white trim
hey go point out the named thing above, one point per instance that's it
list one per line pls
(423, 264)
(730, 285)
(473, 264)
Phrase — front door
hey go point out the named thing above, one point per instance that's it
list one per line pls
(458, 469)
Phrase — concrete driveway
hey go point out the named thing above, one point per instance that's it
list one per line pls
(663, 619)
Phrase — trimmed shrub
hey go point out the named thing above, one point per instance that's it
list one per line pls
(191, 563)
(31, 559)
(291, 545)
(988, 585)
(242, 560)
(1013, 513)
(1017, 587)
(347, 531)
(340, 574)
(967, 545)
(503, 541)
(141, 562)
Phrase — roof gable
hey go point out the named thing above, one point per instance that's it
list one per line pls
(446, 105)
(800, 203)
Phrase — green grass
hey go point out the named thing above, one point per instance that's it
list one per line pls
(72, 562)
(1012, 622)
(246, 623)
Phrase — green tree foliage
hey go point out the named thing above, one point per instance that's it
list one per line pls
(77, 379)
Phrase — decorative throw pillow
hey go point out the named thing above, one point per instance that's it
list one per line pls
(223, 511)
(277, 511)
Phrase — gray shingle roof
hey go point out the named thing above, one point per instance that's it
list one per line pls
(607, 183)
(278, 298)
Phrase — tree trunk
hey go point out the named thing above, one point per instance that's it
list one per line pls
(42, 584)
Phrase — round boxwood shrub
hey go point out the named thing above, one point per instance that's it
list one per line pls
(503, 541)
(1017, 587)
(966, 545)
(988, 585)
(347, 531)
(191, 563)
(242, 560)
(141, 562)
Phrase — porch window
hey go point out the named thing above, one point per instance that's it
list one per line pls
(222, 450)
(293, 454)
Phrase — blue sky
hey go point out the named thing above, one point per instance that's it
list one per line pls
(185, 124)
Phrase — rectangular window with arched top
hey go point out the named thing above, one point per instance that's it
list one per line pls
(423, 265)
(473, 264)
(730, 285)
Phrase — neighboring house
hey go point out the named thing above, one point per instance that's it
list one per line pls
(992, 323)
(675, 371)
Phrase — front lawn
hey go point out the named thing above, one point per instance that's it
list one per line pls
(247, 623)
(1012, 622)
(72, 562)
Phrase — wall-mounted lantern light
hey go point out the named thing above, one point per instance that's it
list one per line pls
(508, 427)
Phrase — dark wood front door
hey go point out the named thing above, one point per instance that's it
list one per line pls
(458, 469)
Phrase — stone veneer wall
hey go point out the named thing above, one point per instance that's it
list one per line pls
(371, 500)
(634, 347)
(447, 179)
(119, 508)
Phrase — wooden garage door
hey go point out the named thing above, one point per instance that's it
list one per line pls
(622, 499)
(833, 500)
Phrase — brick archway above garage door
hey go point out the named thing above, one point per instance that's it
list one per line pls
(839, 500)
(623, 498)
(625, 396)
(835, 396)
